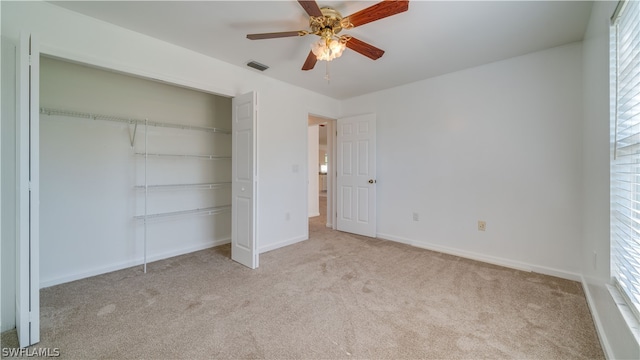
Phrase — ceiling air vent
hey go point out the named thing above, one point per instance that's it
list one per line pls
(256, 65)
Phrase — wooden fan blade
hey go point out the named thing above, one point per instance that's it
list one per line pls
(275, 35)
(310, 62)
(365, 49)
(311, 7)
(378, 11)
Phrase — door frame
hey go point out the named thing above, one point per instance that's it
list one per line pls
(332, 211)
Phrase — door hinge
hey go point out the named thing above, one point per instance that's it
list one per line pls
(29, 185)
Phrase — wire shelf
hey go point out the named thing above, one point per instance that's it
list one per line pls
(130, 121)
(204, 211)
(194, 156)
(186, 186)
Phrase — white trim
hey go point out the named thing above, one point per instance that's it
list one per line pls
(484, 258)
(131, 263)
(281, 244)
(557, 273)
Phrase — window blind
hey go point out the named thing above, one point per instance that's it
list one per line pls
(625, 164)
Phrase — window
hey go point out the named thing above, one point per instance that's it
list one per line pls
(625, 163)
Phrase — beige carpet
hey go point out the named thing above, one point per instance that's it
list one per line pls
(335, 296)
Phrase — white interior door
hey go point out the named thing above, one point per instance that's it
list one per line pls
(356, 180)
(244, 247)
(28, 247)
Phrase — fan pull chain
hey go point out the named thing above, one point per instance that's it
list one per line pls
(326, 75)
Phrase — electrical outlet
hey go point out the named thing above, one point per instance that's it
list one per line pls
(416, 217)
(482, 225)
(287, 216)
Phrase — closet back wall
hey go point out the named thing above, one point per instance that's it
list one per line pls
(89, 171)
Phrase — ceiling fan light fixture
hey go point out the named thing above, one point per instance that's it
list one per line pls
(327, 22)
(329, 48)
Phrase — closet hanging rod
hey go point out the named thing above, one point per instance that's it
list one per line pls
(50, 111)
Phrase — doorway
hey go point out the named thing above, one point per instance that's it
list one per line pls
(351, 168)
(321, 191)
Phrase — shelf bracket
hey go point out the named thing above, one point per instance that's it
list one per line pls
(132, 138)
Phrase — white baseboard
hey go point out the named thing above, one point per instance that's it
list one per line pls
(557, 273)
(131, 263)
(484, 258)
(284, 243)
(314, 214)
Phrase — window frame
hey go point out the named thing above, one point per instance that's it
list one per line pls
(625, 174)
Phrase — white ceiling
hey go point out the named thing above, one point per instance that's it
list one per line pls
(431, 39)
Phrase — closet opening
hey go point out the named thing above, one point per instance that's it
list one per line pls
(132, 170)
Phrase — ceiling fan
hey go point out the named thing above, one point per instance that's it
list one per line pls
(327, 22)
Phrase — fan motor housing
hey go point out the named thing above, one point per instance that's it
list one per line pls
(331, 18)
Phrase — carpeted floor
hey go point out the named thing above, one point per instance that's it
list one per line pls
(335, 296)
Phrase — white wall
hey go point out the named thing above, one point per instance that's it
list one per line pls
(313, 141)
(615, 335)
(88, 171)
(499, 143)
(282, 109)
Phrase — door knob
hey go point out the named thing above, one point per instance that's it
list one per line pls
(371, 181)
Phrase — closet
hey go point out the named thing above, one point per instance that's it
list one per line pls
(132, 171)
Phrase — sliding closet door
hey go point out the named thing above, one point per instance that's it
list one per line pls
(28, 260)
